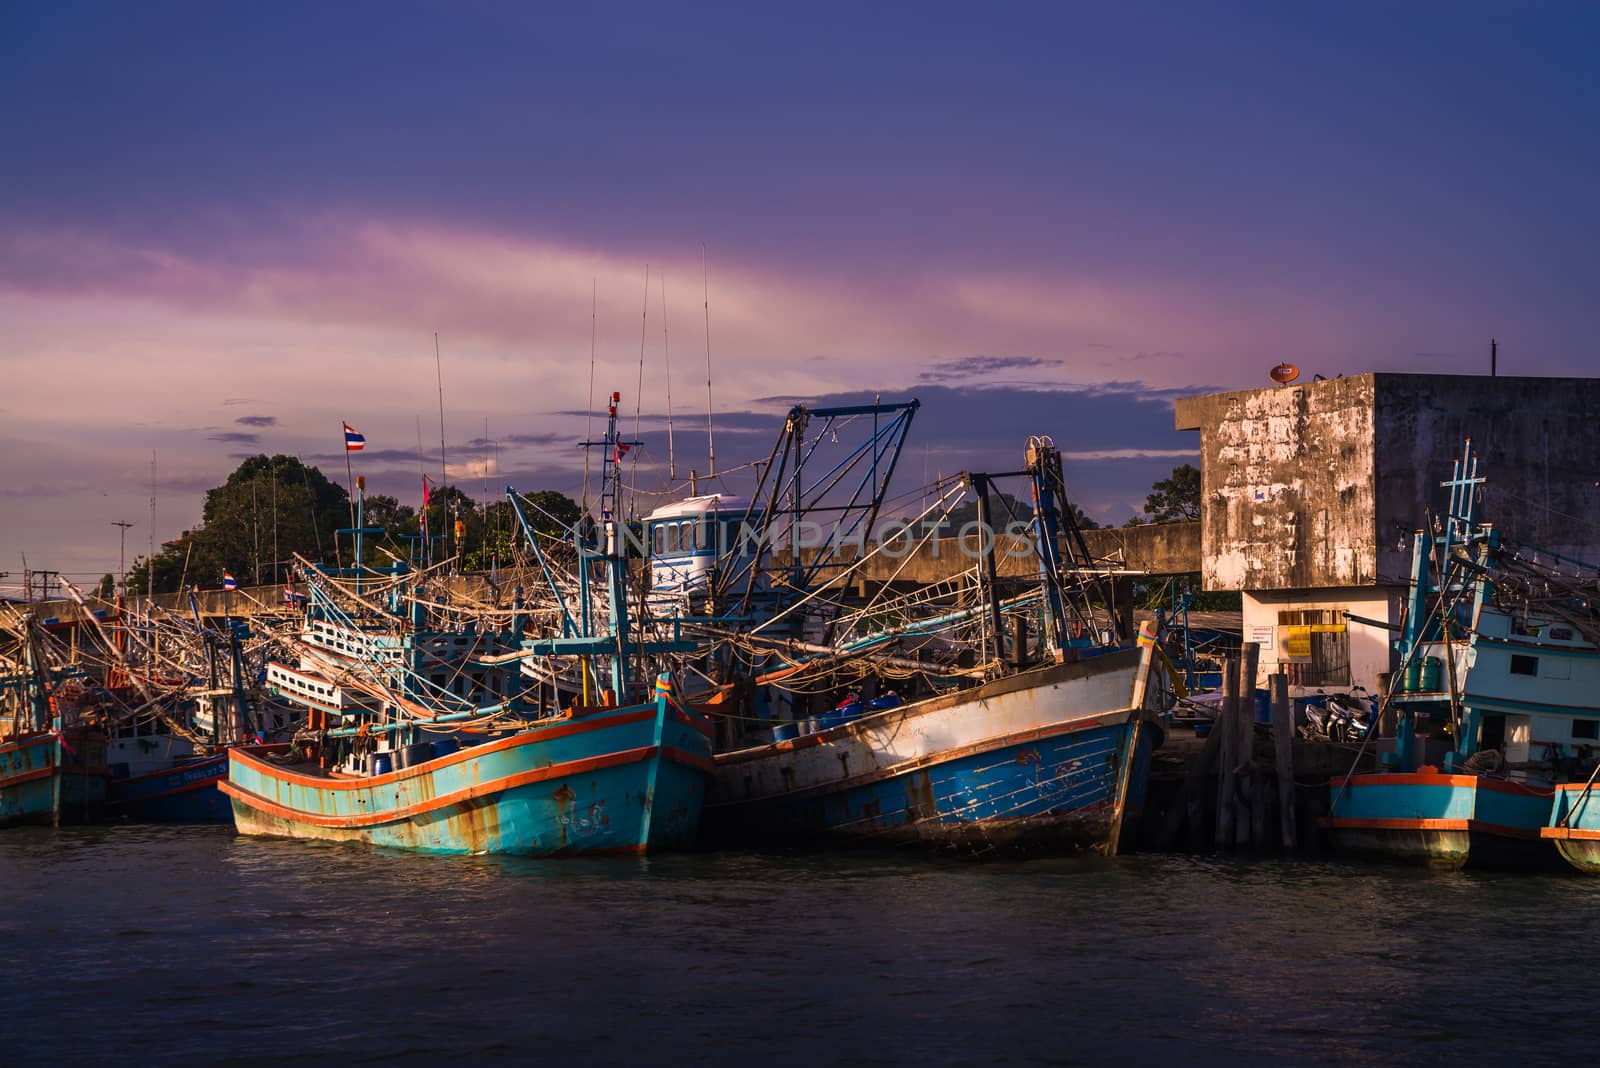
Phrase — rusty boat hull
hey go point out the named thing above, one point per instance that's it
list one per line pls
(1051, 761)
(622, 780)
(53, 777)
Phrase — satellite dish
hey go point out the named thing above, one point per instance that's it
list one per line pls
(1284, 373)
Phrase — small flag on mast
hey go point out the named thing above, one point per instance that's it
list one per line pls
(229, 582)
(620, 451)
(354, 440)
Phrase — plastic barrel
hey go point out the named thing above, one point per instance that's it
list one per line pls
(1263, 706)
(412, 755)
(445, 746)
(382, 763)
(1429, 675)
(783, 732)
(1413, 680)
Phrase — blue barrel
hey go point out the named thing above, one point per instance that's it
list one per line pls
(445, 746)
(888, 700)
(382, 763)
(784, 732)
(846, 713)
(412, 755)
(1263, 706)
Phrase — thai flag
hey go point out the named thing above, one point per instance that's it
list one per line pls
(620, 451)
(229, 582)
(354, 440)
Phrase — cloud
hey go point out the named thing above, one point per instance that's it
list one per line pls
(236, 437)
(983, 366)
(257, 420)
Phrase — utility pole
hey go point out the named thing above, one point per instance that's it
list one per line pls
(122, 552)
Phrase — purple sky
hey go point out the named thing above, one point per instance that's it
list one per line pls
(224, 229)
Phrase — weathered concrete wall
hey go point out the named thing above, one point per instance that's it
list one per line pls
(1318, 485)
(1161, 549)
(1539, 440)
(1286, 485)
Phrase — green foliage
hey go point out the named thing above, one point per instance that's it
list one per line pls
(265, 501)
(237, 533)
(106, 588)
(1177, 498)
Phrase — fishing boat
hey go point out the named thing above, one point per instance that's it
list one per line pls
(52, 755)
(169, 719)
(1497, 704)
(419, 738)
(1043, 754)
(1050, 760)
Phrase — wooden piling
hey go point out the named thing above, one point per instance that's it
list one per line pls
(1227, 726)
(1245, 746)
(1283, 751)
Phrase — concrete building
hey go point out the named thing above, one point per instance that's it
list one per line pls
(1310, 493)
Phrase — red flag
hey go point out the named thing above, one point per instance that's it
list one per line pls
(620, 451)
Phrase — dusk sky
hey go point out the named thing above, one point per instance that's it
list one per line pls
(226, 228)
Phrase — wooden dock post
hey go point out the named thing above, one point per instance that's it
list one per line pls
(1283, 751)
(1227, 726)
(1246, 795)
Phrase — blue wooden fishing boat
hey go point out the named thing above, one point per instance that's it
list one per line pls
(1497, 709)
(417, 737)
(1033, 756)
(1050, 760)
(186, 791)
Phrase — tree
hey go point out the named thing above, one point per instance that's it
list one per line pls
(107, 587)
(1175, 499)
(266, 503)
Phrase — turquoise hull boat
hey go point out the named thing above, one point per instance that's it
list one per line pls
(1574, 825)
(615, 780)
(45, 779)
(1445, 821)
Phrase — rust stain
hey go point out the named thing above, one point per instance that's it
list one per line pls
(919, 796)
(566, 798)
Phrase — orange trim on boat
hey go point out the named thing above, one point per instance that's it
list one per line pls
(28, 776)
(527, 737)
(1579, 834)
(1482, 826)
(1427, 779)
(494, 786)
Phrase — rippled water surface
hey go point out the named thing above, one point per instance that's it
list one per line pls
(160, 944)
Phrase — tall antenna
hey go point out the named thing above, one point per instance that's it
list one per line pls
(705, 281)
(644, 319)
(444, 474)
(588, 430)
(486, 471)
(122, 555)
(150, 561)
(666, 355)
(426, 549)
